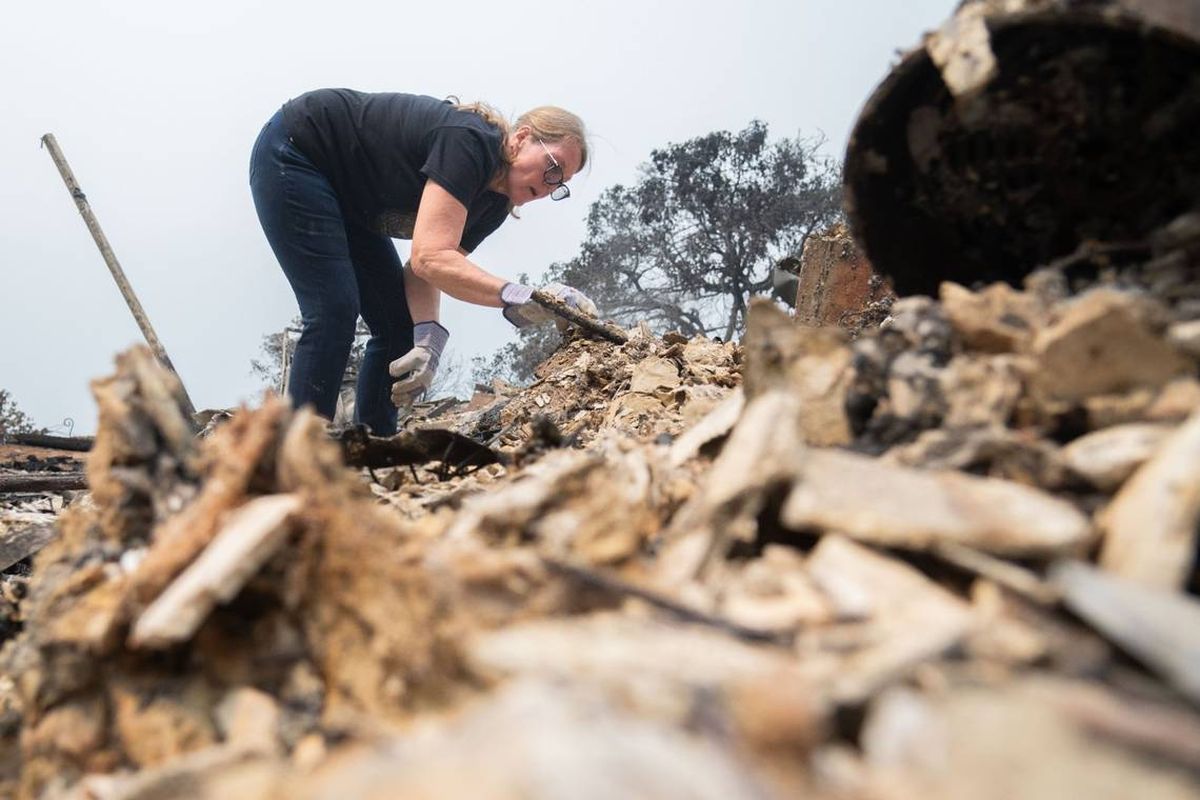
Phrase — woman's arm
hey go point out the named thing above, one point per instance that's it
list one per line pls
(424, 299)
(437, 261)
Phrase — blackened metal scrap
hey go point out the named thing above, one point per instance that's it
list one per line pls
(410, 448)
(591, 325)
(544, 436)
(613, 584)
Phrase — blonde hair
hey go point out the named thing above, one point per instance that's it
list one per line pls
(553, 124)
(549, 123)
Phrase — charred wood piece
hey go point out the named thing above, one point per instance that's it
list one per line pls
(79, 444)
(593, 326)
(19, 543)
(43, 483)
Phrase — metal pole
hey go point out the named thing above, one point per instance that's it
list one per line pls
(110, 258)
(285, 359)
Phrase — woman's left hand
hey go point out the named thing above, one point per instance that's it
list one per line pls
(521, 310)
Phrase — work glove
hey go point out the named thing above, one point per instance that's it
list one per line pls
(416, 368)
(520, 310)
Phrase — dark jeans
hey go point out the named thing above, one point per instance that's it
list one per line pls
(338, 270)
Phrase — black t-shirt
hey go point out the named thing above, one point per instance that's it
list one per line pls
(378, 149)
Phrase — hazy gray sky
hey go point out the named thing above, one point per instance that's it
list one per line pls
(156, 105)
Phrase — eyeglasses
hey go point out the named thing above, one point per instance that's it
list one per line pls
(553, 176)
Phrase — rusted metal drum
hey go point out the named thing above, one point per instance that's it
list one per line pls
(1023, 129)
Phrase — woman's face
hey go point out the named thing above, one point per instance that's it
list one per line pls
(526, 178)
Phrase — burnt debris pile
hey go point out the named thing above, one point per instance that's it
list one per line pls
(879, 567)
(938, 546)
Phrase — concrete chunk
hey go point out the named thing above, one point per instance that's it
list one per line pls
(1107, 457)
(813, 364)
(905, 507)
(1103, 344)
(998, 319)
(652, 375)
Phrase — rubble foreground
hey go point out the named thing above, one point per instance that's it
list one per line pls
(954, 557)
(943, 547)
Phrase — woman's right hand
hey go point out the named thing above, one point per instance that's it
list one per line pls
(417, 368)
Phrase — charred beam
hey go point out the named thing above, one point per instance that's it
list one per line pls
(593, 326)
(43, 483)
(75, 443)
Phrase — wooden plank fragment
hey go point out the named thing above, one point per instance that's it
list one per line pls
(613, 584)
(906, 619)
(658, 667)
(1164, 731)
(244, 442)
(1150, 528)
(249, 537)
(21, 539)
(1015, 739)
(761, 451)
(1161, 628)
(1004, 573)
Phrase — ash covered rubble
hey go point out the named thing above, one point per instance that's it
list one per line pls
(884, 567)
(952, 555)
(38, 479)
